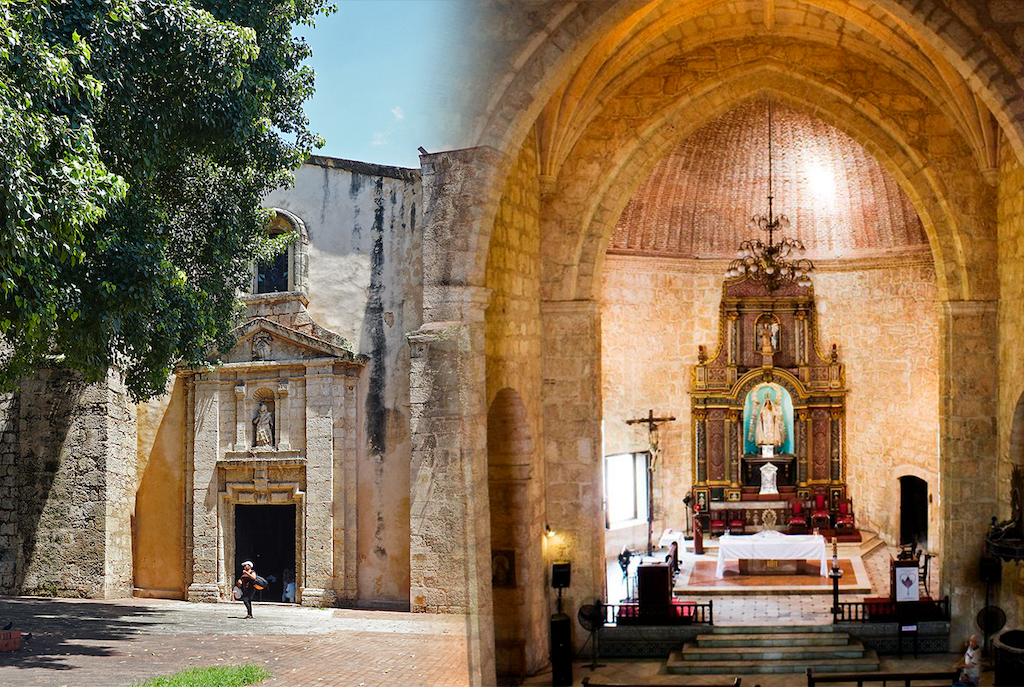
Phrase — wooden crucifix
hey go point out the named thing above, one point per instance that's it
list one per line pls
(655, 448)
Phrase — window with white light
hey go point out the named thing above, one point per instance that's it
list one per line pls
(625, 489)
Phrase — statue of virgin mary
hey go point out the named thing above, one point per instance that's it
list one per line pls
(767, 426)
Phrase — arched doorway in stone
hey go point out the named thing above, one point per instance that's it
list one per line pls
(913, 511)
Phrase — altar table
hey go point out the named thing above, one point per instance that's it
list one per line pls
(771, 545)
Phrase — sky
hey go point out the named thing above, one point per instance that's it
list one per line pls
(375, 63)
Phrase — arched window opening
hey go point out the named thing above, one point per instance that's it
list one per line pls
(285, 272)
(272, 276)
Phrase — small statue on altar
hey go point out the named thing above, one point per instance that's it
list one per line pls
(769, 477)
(769, 335)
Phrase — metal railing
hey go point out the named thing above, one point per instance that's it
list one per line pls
(686, 613)
(888, 611)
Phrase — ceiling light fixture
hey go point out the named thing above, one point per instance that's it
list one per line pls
(769, 263)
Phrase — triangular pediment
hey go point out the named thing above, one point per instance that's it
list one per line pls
(263, 340)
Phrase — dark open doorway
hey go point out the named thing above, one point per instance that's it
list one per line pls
(265, 535)
(913, 510)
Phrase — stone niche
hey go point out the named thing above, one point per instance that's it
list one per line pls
(274, 425)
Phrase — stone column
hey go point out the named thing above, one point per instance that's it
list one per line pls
(345, 459)
(572, 446)
(205, 420)
(317, 585)
(968, 383)
(283, 419)
(242, 423)
(449, 509)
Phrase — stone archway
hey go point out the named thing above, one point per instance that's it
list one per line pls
(536, 60)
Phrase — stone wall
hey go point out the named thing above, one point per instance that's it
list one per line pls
(883, 316)
(1011, 356)
(655, 312)
(365, 283)
(68, 488)
(513, 341)
(159, 527)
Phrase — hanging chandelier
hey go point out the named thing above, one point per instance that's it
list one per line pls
(770, 263)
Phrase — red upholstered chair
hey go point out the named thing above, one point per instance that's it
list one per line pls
(819, 512)
(797, 518)
(719, 521)
(844, 517)
(737, 525)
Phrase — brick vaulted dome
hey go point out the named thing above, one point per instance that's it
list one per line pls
(698, 199)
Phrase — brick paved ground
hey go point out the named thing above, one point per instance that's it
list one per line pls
(85, 643)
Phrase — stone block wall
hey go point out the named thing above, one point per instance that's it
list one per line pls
(882, 314)
(68, 489)
(884, 317)
(1011, 355)
(513, 349)
(654, 314)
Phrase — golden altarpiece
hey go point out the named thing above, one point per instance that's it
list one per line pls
(767, 375)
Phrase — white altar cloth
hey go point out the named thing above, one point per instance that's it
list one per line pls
(771, 545)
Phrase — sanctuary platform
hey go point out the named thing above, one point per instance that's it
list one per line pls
(697, 578)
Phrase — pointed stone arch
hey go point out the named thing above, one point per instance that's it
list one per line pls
(540, 67)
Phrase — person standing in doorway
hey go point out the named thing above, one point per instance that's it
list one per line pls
(248, 584)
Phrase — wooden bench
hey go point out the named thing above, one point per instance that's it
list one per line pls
(942, 678)
(588, 683)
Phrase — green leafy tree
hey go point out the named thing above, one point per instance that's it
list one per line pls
(138, 138)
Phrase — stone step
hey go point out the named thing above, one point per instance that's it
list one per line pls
(774, 639)
(677, 666)
(771, 629)
(692, 652)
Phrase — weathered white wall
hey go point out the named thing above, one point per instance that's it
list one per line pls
(365, 283)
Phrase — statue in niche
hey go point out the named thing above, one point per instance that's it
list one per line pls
(767, 426)
(264, 422)
(261, 346)
(769, 338)
(769, 477)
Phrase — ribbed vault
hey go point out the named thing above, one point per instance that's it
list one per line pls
(699, 197)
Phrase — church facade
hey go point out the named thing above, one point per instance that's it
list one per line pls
(427, 390)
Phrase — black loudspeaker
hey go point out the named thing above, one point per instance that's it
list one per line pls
(990, 569)
(561, 650)
(560, 575)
